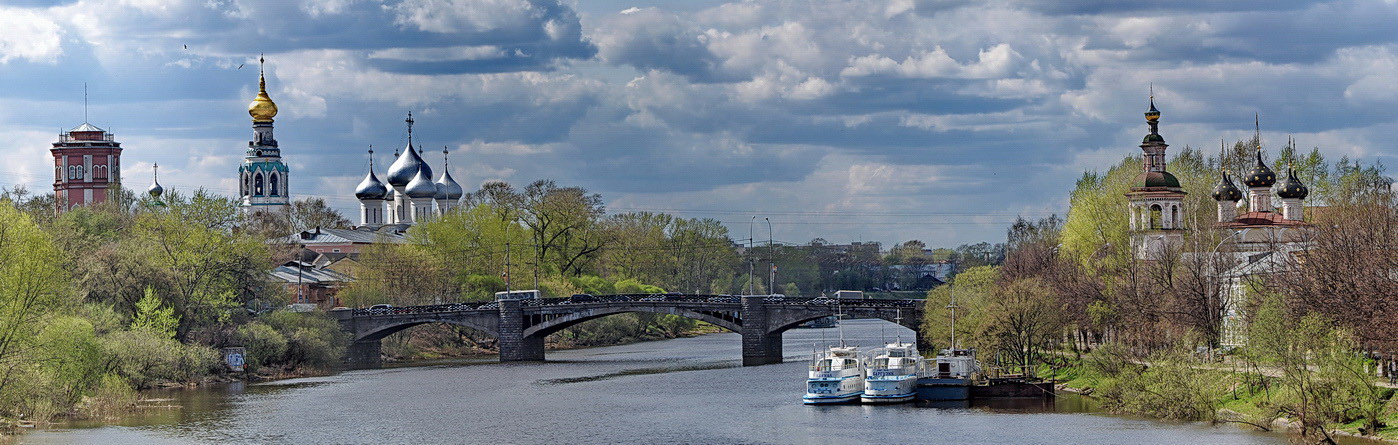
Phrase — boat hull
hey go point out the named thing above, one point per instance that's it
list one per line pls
(934, 390)
(829, 399)
(889, 390)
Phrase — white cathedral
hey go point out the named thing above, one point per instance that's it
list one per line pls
(410, 195)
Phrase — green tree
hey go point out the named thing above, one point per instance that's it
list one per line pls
(151, 317)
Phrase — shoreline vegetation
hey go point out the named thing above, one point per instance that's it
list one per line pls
(1187, 389)
(1299, 330)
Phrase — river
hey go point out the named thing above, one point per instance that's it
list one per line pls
(689, 390)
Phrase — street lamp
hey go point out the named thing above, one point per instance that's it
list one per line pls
(750, 259)
(772, 274)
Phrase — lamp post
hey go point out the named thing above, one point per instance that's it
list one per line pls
(750, 259)
(771, 257)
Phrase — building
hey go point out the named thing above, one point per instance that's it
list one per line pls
(311, 282)
(344, 241)
(87, 166)
(1157, 199)
(263, 177)
(410, 196)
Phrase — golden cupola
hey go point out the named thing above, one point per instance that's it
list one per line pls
(262, 109)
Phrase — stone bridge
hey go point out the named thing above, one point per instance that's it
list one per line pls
(521, 325)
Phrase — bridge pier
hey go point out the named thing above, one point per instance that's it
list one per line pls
(513, 345)
(364, 354)
(759, 347)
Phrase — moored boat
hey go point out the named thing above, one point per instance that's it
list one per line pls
(949, 376)
(835, 376)
(891, 373)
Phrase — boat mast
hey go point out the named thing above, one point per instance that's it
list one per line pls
(952, 306)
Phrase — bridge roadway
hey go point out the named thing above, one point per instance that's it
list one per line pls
(520, 326)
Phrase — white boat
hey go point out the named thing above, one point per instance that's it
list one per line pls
(835, 376)
(891, 372)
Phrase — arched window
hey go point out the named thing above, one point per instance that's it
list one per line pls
(273, 183)
(257, 184)
(57, 173)
(81, 173)
(1155, 219)
(1174, 217)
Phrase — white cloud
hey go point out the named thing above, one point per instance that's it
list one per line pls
(28, 34)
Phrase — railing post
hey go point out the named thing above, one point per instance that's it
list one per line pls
(514, 346)
(759, 347)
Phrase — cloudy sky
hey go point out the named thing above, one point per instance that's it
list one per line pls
(875, 120)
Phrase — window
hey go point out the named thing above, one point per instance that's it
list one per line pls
(257, 184)
(334, 250)
(1155, 219)
(1174, 217)
(273, 183)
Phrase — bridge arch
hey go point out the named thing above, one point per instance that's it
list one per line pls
(379, 332)
(557, 324)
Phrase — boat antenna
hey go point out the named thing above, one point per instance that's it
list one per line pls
(898, 318)
(839, 309)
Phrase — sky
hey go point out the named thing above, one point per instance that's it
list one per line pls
(855, 120)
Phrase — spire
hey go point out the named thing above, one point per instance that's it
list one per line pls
(1257, 132)
(410, 122)
(262, 109)
(155, 189)
(85, 103)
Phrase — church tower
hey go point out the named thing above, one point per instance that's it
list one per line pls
(262, 179)
(1157, 200)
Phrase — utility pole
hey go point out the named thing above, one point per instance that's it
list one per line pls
(771, 257)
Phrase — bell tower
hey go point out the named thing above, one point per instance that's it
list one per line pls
(263, 177)
(1157, 200)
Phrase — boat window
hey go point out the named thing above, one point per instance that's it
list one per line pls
(823, 365)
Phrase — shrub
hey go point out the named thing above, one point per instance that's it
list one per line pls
(265, 346)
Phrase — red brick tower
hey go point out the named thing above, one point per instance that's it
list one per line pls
(86, 164)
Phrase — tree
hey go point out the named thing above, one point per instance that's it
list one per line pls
(32, 286)
(564, 224)
(311, 213)
(151, 317)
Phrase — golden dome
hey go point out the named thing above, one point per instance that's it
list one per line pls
(262, 109)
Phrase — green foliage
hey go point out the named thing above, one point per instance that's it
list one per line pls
(150, 316)
(592, 284)
(144, 358)
(313, 339)
(264, 345)
(973, 290)
(631, 286)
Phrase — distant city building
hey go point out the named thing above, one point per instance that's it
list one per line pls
(263, 177)
(87, 166)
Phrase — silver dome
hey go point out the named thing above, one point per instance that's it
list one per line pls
(447, 188)
(370, 188)
(155, 189)
(420, 187)
(405, 167)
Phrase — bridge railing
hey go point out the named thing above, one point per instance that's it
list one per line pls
(635, 298)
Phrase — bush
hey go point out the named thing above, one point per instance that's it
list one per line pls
(144, 358)
(313, 339)
(264, 345)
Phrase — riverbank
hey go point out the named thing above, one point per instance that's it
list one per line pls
(1192, 391)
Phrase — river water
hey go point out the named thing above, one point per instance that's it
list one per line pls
(688, 390)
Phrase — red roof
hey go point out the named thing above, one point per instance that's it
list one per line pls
(1252, 219)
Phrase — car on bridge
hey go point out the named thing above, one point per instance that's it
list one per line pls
(582, 298)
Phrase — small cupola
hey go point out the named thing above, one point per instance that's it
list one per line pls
(1292, 188)
(1260, 176)
(1226, 191)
